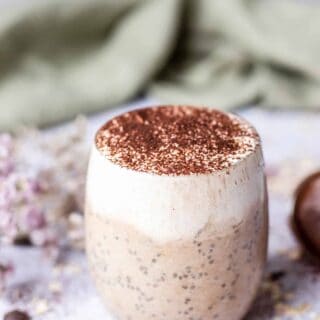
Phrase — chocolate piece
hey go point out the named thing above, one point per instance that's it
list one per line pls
(277, 275)
(176, 140)
(306, 218)
(16, 315)
(22, 240)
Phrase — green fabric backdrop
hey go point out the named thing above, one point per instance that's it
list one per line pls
(59, 58)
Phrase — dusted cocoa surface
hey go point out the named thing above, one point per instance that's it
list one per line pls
(176, 140)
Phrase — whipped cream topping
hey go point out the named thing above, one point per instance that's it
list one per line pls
(168, 208)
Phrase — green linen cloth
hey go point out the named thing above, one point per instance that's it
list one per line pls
(59, 58)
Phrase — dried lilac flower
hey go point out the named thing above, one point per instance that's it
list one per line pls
(39, 191)
(20, 211)
(5, 271)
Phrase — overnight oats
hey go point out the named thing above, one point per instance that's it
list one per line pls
(176, 214)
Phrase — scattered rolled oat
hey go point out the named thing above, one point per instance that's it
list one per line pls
(40, 306)
(292, 254)
(55, 286)
(288, 310)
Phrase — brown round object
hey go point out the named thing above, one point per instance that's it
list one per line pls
(306, 218)
(16, 315)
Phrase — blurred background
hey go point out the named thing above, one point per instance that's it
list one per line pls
(68, 66)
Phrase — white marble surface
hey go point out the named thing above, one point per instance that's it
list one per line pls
(291, 143)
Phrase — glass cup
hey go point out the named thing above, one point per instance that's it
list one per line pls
(176, 246)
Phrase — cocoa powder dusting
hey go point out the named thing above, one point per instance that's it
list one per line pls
(176, 140)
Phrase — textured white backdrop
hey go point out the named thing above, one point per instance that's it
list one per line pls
(292, 148)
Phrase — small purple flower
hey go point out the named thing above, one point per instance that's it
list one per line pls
(35, 219)
(6, 269)
(31, 187)
(45, 237)
(8, 225)
(6, 149)
(6, 145)
(6, 167)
